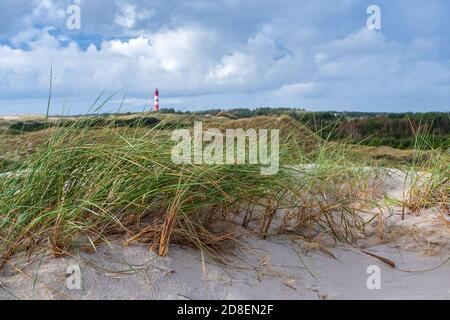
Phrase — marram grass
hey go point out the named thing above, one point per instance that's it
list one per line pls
(85, 184)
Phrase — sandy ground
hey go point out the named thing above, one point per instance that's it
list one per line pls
(282, 267)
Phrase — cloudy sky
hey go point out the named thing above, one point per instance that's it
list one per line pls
(311, 54)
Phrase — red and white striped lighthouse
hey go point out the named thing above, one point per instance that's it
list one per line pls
(156, 107)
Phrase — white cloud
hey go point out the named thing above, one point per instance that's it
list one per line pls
(175, 58)
(129, 14)
(191, 60)
(298, 90)
(289, 59)
(48, 8)
(132, 48)
(232, 68)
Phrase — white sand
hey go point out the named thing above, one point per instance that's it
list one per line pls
(281, 267)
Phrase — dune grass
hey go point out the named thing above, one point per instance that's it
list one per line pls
(86, 184)
(428, 176)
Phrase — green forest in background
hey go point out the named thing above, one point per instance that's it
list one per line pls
(397, 130)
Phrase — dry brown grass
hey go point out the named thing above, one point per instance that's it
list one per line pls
(385, 155)
(17, 147)
(290, 130)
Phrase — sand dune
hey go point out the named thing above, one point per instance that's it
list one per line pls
(280, 267)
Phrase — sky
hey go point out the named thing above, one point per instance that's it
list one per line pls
(202, 54)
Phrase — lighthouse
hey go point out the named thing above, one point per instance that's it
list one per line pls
(156, 106)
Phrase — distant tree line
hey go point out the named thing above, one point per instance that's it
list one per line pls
(397, 130)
